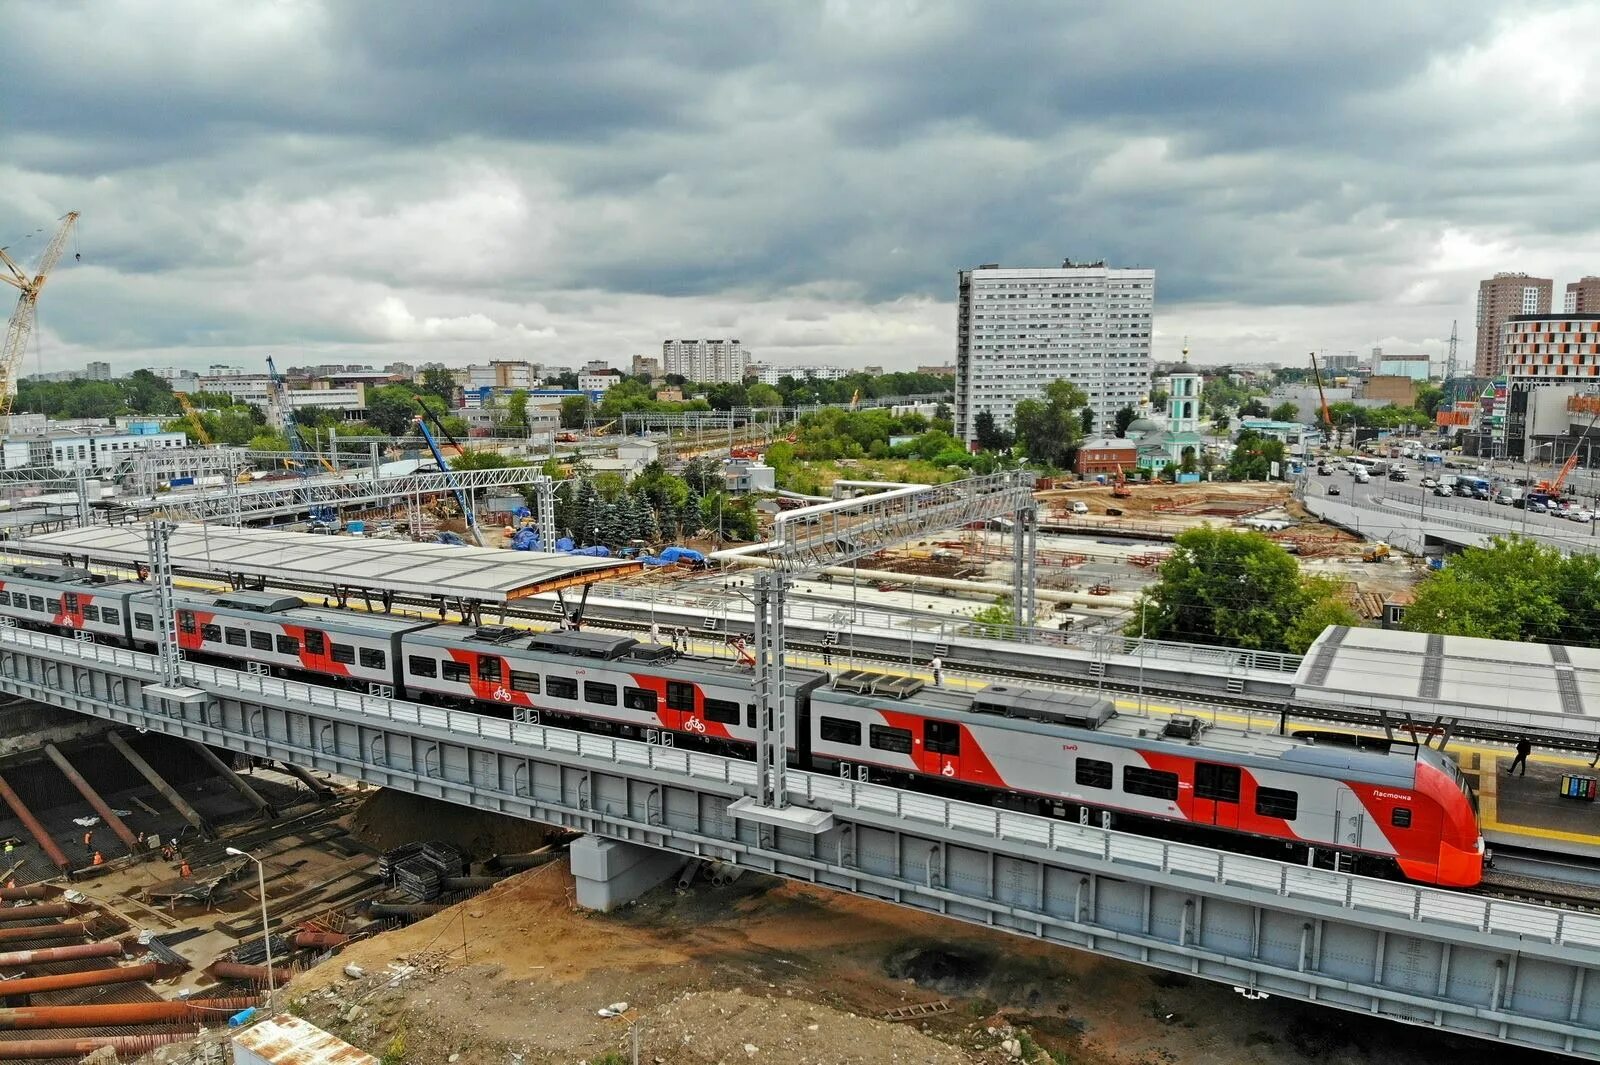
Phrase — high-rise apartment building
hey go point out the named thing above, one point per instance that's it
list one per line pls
(705, 360)
(1500, 297)
(99, 371)
(1542, 351)
(1017, 330)
(1583, 297)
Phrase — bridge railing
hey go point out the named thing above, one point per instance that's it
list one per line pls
(982, 823)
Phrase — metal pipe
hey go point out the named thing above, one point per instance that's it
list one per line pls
(168, 792)
(26, 891)
(232, 970)
(319, 940)
(110, 948)
(33, 826)
(107, 1014)
(127, 974)
(531, 860)
(59, 930)
(318, 788)
(129, 1045)
(29, 913)
(93, 798)
(225, 771)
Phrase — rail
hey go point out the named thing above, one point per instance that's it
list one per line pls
(1343, 891)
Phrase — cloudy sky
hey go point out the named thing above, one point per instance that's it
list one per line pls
(369, 181)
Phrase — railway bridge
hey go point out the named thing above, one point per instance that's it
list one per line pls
(1459, 962)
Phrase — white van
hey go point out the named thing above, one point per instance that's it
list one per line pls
(1079, 507)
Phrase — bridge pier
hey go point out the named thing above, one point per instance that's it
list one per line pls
(609, 872)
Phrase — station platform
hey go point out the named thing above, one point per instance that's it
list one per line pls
(1530, 811)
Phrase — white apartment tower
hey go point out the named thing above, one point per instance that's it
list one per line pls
(710, 361)
(1017, 330)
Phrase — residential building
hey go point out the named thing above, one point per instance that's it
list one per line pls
(98, 450)
(255, 389)
(1019, 329)
(708, 361)
(1583, 296)
(771, 375)
(645, 365)
(1343, 363)
(598, 380)
(1540, 351)
(98, 371)
(498, 373)
(1499, 298)
(1416, 367)
(1390, 388)
(181, 379)
(1107, 455)
(947, 370)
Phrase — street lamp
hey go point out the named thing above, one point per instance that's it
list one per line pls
(266, 930)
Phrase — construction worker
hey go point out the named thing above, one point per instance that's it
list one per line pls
(88, 838)
(99, 859)
(166, 852)
(184, 870)
(10, 846)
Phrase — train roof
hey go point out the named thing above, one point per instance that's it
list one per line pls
(47, 574)
(354, 621)
(250, 602)
(1047, 712)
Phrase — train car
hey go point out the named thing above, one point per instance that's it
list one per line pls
(1403, 809)
(283, 634)
(594, 678)
(66, 599)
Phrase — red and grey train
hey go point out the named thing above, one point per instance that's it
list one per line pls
(1403, 810)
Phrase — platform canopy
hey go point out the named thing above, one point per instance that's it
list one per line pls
(1539, 685)
(484, 575)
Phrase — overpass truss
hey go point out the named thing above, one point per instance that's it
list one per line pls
(1456, 961)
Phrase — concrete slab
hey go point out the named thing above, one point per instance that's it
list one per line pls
(609, 872)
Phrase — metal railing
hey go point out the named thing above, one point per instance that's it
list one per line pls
(982, 824)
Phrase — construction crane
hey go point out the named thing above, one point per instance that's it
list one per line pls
(280, 415)
(194, 417)
(1554, 487)
(1327, 418)
(21, 324)
(444, 467)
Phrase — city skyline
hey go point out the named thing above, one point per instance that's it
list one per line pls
(567, 188)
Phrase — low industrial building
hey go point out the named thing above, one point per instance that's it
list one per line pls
(1297, 438)
(743, 476)
(1107, 456)
(95, 451)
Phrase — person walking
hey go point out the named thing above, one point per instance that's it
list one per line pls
(937, 665)
(655, 632)
(1524, 748)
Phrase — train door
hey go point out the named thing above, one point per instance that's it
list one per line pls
(314, 652)
(1216, 794)
(1349, 818)
(941, 740)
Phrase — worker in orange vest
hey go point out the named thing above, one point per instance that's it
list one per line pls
(184, 870)
(99, 859)
(88, 838)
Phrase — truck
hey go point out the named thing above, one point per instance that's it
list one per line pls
(1472, 486)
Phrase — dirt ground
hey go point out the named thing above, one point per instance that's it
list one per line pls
(768, 971)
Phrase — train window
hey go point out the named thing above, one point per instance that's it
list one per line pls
(54, 605)
(211, 633)
(233, 637)
(602, 694)
(722, 711)
(110, 615)
(1153, 783)
(884, 738)
(316, 643)
(288, 645)
(343, 652)
(186, 622)
(1275, 802)
(91, 613)
(71, 601)
(524, 682)
(489, 668)
(838, 730)
(261, 641)
(749, 715)
(561, 687)
(1219, 782)
(5, 598)
(680, 696)
(941, 737)
(425, 666)
(1093, 773)
(639, 699)
(456, 672)
(372, 658)
(36, 603)
(1400, 817)
(145, 622)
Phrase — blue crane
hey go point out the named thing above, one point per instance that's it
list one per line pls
(423, 419)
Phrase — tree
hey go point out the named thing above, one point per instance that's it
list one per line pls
(1125, 417)
(1325, 609)
(1285, 412)
(392, 408)
(1430, 398)
(763, 395)
(996, 619)
(1254, 409)
(1514, 589)
(145, 393)
(438, 382)
(1236, 589)
(988, 435)
(1051, 429)
(1086, 419)
(575, 412)
(1158, 399)
(1253, 456)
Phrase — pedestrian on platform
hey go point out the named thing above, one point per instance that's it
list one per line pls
(655, 632)
(937, 665)
(1524, 748)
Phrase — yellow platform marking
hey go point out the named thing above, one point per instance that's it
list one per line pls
(1489, 791)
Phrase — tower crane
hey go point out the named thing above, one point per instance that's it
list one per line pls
(21, 324)
(1322, 396)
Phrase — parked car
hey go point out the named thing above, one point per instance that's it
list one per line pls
(1537, 506)
(1442, 490)
(1583, 517)
(1429, 482)
(1333, 490)
(1079, 507)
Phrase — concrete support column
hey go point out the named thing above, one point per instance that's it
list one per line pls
(609, 872)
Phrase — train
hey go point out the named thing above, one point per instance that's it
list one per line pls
(1397, 810)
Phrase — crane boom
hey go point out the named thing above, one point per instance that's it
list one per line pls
(194, 418)
(444, 467)
(1327, 418)
(20, 327)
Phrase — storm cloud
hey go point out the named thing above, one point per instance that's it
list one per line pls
(366, 182)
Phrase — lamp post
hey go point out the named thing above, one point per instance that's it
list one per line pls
(266, 930)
